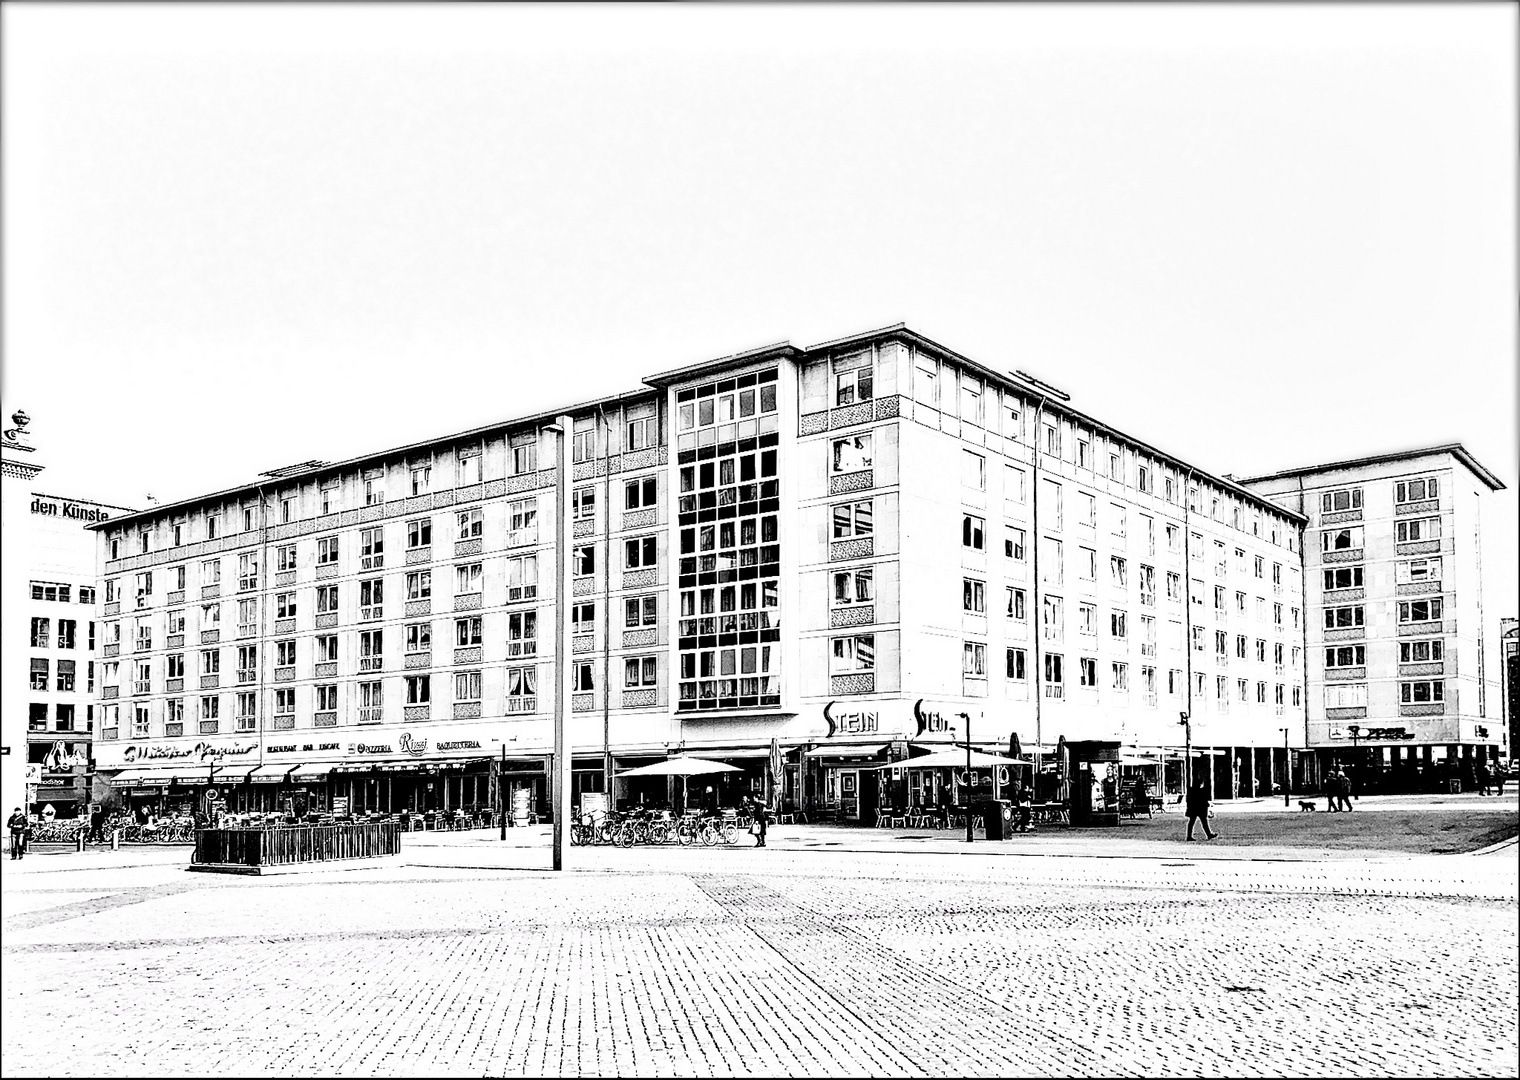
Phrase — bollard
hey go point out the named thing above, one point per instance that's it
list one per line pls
(115, 838)
(79, 840)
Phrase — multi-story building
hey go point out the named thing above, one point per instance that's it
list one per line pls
(1401, 679)
(60, 607)
(843, 550)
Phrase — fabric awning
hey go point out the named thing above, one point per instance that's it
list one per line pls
(846, 751)
(348, 767)
(954, 759)
(271, 774)
(128, 776)
(232, 774)
(313, 770)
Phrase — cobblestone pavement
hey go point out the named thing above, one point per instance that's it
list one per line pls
(463, 957)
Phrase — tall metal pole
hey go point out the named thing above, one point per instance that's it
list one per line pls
(501, 790)
(1287, 768)
(967, 717)
(1187, 756)
(560, 773)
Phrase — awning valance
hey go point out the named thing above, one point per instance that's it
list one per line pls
(313, 770)
(232, 774)
(271, 774)
(846, 751)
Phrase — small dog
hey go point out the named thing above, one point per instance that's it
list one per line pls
(1305, 806)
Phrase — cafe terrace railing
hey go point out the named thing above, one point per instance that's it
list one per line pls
(254, 848)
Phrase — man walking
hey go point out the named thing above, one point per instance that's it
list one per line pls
(1343, 789)
(17, 825)
(1198, 809)
(1485, 778)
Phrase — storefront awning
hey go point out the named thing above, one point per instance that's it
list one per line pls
(232, 774)
(142, 778)
(351, 767)
(271, 774)
(315, 770)
(846, 751)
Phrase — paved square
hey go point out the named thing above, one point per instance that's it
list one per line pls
(832, 952)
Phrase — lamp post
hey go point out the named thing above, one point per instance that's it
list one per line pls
(1287, 767)
(1187, 755)
(967, 718)
(559, 787)
(1356, 771)
(501, 790)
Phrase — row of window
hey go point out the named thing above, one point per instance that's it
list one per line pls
(61, 593)
(1409, 530)
(1406, 572)
(42, 675)
(1411, 692)
(1404, 491)
(64, 717)
(1351, 616)
(42, 636)
(1410, 652)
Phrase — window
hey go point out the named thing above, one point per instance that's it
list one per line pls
(467, 579)
(371, 650)
(86, 595)
(1414, 530)
(211, 616)
(329, 498)
(1013, 420)
(1173, 585)
(852, 454)
(285, 653)
(522, 690)
(583, 619)
(1120, 516)
(1414, 570)
(926, 380)
(972, 532)
(419, 533)
(467, 686)
(327, 599)
(641, 611)
(1346, 656)
(640, 430)
(174, 666)
(1121, 677)
(1052, 563)
(583, 439)
(1219, 600)
(371, 598)
(1408, 491)
(583, 679)
(42, 633)
(1147, 635)
(1145, 479)
(468, 469)
(1054, 675)
(1259, 567)
(1420, 652)
(1118, 625)
(1087, 619)
(374, 488)
(40, 667)
(852, 519)
(1084, 454)
(1261, 651)
(422, 479)
(1087, 508)
(640, 671)
(1015, 666)
(1173, 539)
(973, 471)
(327, 648)
(1242, 646)
(1118, 570)
(1342, 539)
(639, 553)
(853, 385)
(1014, 603)
(522, 633)
(1277, 615)
(639, 494)
(973, 596)
(327, 698)
(1421, 693)
(1343, 577)
(419, 638)
(1013, 543)
(327, 550)
(1341, 618)
(1345, 696)
(371, 702)
(974, 659)
(522, 522)
(851, 654)
(1087, 671)
(471, 524)
(583, 560)
(1147, 585)
(1415, 611)
(971, 399)
(522, 578)
(1336, 501)
(524, 455)
(211, 707)
(419, 585)
(1052, 441)
(1050, 495)
(1014, 491)
(583, 503)
(1198, 640)
(1054, 618)
(854, 586)
(285, 605)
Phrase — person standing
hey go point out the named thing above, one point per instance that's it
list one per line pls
(1198, 810)
(1485, 778)
(761, 814)
(17, 824)
(97, 824)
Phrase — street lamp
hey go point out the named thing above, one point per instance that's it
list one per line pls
(1187, 756)
(1356, 771)
(1287, 767)
(967, 717)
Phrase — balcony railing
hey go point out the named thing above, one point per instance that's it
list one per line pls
(371, 613)
(371, 714)
(370, 663)
(521, 704)
(247, 675)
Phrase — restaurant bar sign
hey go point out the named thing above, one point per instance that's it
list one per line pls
(71, 511)
(846, 721)
(201, 751)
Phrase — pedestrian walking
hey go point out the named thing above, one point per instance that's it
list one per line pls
(1332, 788)
(1499, 777)
(1198, 810)
(17, 824)
(1344, 789)
(761, 815)
(97, 825)
(1485, 778)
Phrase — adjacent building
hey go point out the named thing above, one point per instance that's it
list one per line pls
(1509, 638)
(846, 550)
(1402, 683)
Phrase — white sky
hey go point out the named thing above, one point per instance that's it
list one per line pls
(237, 237)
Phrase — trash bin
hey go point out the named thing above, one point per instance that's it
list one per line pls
(997, 816)
(1454, 786)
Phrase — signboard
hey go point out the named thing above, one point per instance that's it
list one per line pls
(202, 751)
(594, 802)
(68, 510)
(340, 805)
(33, 772)
(843, 720)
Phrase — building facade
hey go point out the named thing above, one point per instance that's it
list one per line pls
(1509, 650)
(846, 550)
(1402, 679)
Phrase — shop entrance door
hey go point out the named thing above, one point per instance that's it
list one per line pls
(870, 794)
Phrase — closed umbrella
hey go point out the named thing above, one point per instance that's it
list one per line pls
(1014, 747)
(776, 766)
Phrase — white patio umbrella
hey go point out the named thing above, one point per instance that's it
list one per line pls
(953, 759)
(681, 766)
